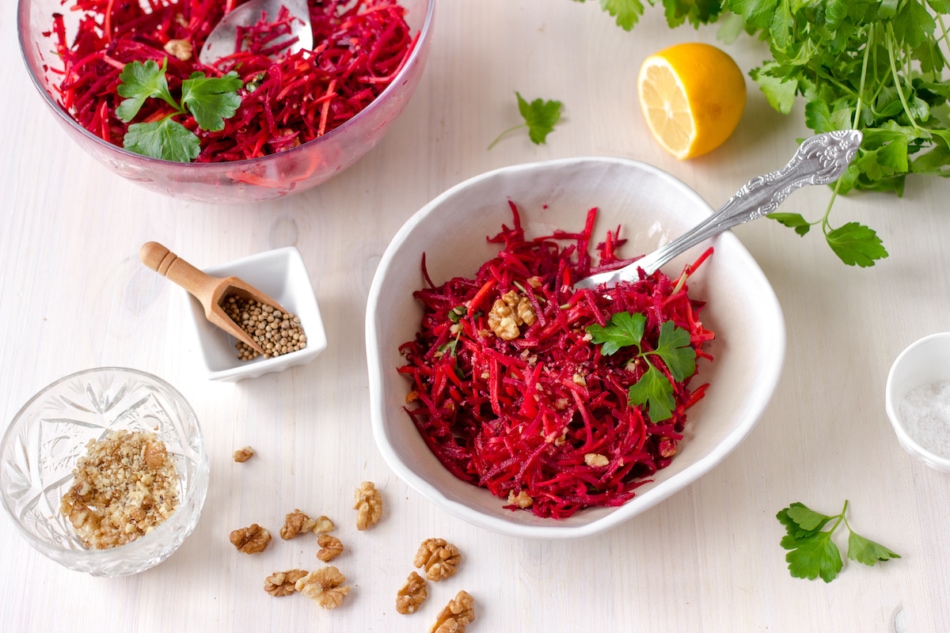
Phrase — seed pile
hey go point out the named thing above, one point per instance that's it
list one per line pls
(276, 332)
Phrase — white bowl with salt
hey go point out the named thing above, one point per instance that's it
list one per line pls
(917, 400)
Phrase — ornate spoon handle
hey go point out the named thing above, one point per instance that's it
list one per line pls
(819, 160)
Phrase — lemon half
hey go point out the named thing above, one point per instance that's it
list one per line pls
(692, 96)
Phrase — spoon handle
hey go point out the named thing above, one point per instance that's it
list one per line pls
(168, 264)
(819, 160)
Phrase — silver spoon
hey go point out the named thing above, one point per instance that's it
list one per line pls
(223, 38)
(819, 160)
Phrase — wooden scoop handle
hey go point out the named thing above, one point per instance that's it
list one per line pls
(168, 264)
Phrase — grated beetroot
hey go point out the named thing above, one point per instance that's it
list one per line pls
(359, 47)
(520, 417)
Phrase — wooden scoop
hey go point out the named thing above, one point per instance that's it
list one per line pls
(210, 291)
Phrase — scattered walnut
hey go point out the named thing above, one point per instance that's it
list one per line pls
(439, 558)
(182, 49)
(243, 454)
(295, 523)
(251, 539)
(330, 547)
(324, 586)
(323, 525)
(412, 594)
(369, 506)
(509, 312)
(522, 499)
(596, 460)
(281, 583)
(457, 614)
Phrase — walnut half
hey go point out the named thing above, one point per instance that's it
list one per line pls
(412, 594)
(252, 539)
(324, 586)
(439, 558)
(369, 506)
(330, 547)
(281, 583)
(296, 523)
(457, 614)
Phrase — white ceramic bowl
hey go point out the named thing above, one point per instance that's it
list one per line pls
(281, 275)
(925, 362)
(653, 208)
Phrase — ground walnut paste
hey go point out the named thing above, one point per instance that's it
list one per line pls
(125, 486)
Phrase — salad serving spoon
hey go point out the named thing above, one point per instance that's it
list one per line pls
(222, 40)
(210, 291)
(819, 160)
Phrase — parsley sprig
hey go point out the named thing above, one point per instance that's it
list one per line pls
(813, 553)
(540, 116)
(879, 66)
(210, 100)
(654, 388)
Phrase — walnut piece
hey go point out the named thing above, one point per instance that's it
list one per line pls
(324, 586)
(324, 525)
(596, 460)
(123, 487)
(252, 539)
(369, 506)
(243, 454)
(508, 313)
(439, 558)
(522, 499)
(296, 523)
(457, 614)
(182, 49)
(412, 594)
(281, 583)
(330, 547)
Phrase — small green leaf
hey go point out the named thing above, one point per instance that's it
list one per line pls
(541, 116)
(211, 100)
(792, 221)
(139, 82)
(674, 348)
(866, 551)
(806, 518)
(779, 92)
(814, 557)
(655, 391)
(856, 244)
(622, 330)
(165, 139)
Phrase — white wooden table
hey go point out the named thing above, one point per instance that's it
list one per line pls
(73, 295)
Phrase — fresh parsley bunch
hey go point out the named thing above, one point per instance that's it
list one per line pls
(210, 100)
(812, 552)
(874, 65)
(653, 389)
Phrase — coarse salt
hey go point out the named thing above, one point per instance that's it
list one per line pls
(925, 413)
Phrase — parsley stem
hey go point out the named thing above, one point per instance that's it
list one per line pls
(891, 39)
(503, 134)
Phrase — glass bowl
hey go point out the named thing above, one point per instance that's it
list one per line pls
(245, 181)
(40, 448)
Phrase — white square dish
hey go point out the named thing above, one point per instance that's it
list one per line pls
(281, 274)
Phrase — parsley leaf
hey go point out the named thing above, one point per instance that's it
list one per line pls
(210, 100)
(165, 139)
(813, 553)
(856, 244)
(675, 350)
(623, 329)
(654, 389)
(140, 82)
(540, 117)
